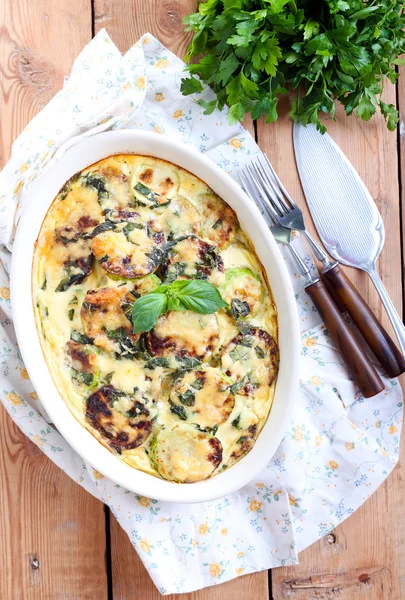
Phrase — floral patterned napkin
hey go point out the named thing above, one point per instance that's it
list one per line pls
(338, 447)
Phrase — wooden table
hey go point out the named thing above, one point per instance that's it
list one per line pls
(57, 541)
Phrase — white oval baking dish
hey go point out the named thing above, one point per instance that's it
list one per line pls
(40, 198)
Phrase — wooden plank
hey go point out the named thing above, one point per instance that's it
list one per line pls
(127, 20)
(163, 19)
(52, 533)
(131, 580)
(401, 146)
(365, 558)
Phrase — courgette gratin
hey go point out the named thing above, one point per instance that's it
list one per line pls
(188, 398)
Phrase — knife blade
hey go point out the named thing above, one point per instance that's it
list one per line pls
(351, 229)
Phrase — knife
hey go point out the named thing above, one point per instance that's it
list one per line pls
(351, 229)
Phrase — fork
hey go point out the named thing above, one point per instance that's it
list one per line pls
(355, 358)
(288, 214)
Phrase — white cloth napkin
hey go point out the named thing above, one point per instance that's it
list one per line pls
(338, 447)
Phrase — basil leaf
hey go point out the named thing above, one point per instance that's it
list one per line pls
(188, 362)
(174, 303)
(124, 343)
(96, 181)
(108, 377)
(201, 297)
(238, 385)
(260, 353)
(197, 295)
(161, 289)
(147, 310)
(87, 379)
(178, 286)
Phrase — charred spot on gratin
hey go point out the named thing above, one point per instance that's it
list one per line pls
(83, 358)
(119, 418)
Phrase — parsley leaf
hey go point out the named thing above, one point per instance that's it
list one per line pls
(227, 67)
(191, 85)
(252, 51)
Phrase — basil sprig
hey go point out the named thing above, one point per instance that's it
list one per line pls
(197, 295)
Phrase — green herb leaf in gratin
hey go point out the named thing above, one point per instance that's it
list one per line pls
(196, 295)
(147, 310)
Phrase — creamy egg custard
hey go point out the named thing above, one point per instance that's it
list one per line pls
(187, 399)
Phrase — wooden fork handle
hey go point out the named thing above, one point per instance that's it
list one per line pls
(373, 332)
(356, 360)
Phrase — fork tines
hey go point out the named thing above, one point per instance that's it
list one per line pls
(264, 188)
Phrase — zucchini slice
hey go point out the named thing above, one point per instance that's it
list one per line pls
(191, 257)
(121, 419)
(145, 285)
(155, 184)
(105, 315)
(204, 396)
(130, 250)
(251, 360)
(185, 455)
(220, 221)
(75, 216)
(116, 173)
(181, 218)
(245, 286)
(184, 333)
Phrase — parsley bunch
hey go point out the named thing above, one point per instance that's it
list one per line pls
(251, 51)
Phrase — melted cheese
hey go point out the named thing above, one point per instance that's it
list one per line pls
(191, 208)
(185, 332)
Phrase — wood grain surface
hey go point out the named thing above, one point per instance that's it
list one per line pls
(52, 532)
(365, 557)
(52, 537)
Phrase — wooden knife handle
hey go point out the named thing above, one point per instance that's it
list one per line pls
(373, 332)
(356, 360)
